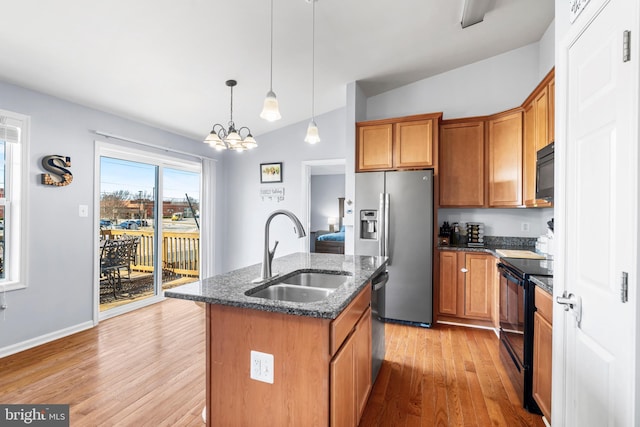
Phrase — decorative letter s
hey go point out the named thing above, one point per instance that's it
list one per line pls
(57, 166)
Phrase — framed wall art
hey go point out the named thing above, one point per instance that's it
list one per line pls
(270, 172)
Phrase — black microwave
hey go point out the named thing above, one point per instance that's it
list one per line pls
(544, 173)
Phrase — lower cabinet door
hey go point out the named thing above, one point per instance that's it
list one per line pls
(542, 339)
(351, 375)
(362, 362)
(343, 404)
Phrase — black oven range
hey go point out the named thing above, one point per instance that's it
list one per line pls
(517, 306)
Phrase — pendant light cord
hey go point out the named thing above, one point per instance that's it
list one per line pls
(271, 66)
(231, 118)
(313, 58)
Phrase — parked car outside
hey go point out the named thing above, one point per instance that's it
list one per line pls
(129, 224)
(133, 224)
(105, 223)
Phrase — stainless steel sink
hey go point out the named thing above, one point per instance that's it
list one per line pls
(317, 280)
(294, 293)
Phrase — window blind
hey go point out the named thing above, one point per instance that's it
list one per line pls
(9, 132)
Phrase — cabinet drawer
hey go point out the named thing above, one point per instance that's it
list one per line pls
(544, 304)
(342, 326)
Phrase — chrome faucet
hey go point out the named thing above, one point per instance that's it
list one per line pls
(265, 273)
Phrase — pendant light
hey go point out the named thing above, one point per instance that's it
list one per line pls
(270, 110)
(312, 130)
(221, 138)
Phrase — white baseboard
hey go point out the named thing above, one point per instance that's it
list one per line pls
(43, 339)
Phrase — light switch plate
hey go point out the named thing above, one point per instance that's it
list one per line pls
(83, 211)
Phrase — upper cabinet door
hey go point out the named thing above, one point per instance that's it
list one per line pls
(413, 144)
(541, 106)
(462, 164)
(551, 88)
(375, 147)
(505, 160)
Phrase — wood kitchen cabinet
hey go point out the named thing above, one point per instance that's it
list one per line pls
(375, 147)
(466, 285)
(538, 133)
(399, 143)
(462, 163)
(505, 159)
(542, 343)
(351, 375)
(322, 367)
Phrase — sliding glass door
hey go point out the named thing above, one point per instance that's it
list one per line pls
(149, 237)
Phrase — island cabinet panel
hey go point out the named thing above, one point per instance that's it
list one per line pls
(542, 343)
(413, 147)
(462, 164)
(299, 394)
(375, 147)
(505, 159)
(321, 372)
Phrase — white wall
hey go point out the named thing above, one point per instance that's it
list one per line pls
(325, 191)
(482, 88)
(247, 213)
(547, 51)
(60, 244)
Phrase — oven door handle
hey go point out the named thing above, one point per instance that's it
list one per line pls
(507, 275)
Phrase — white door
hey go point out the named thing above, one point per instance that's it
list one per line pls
(598, 221)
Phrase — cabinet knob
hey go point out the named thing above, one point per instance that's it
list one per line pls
(464, 270)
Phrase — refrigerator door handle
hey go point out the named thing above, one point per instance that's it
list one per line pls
(387, 207)
(381, 247)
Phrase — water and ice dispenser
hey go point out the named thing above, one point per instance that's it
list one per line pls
(369, 224)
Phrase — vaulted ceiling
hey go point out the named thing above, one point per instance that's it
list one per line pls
(165, 62)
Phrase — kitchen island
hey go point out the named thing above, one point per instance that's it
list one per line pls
(320, 367)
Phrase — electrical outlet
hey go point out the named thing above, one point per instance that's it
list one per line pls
(261, 367)
(524, 226)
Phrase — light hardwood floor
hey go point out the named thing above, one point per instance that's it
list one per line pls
(146, 368)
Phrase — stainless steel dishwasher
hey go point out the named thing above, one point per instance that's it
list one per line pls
(378, 286)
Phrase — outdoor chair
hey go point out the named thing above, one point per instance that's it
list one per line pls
(132, 249)
(115, 255)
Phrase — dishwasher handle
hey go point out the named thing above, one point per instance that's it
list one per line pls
(380, 281)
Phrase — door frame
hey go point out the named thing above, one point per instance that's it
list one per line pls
(141, 155)
(307, 170)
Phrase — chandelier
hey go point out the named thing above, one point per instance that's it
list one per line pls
(221, 138)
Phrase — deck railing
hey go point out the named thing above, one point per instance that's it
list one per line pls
(180, 251)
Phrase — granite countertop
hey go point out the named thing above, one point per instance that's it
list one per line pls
(229, 288)
(544, 283)
(490, 249)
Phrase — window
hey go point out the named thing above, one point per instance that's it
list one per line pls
(14, 129)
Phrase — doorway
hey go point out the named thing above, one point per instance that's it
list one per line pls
(149, 231)
(323, 195)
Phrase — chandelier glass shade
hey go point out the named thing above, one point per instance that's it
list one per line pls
(222, 138)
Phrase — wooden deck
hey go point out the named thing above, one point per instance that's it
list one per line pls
(139, 287)
(146, 368)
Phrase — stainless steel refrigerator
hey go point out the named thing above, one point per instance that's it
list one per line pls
(394, 218)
